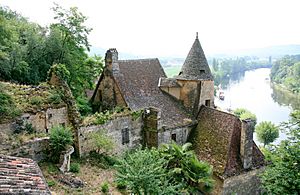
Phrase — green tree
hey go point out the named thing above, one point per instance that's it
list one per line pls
(282, 176)
(266, 132)
(101, 142)
(244, 114)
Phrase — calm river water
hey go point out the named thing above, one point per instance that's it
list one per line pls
(254, 92)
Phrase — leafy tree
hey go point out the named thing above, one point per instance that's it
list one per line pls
(266, 132)
(244, 114)
(282, 176)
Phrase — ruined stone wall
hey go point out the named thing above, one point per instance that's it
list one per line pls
(42, 121)
(113, 129)
(244, 184)
(180, 133)
(207, 93)
(33, 149)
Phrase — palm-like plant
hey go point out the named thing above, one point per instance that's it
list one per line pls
(186, 168)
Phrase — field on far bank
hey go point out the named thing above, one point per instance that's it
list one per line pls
(172, 71)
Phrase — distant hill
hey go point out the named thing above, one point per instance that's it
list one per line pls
(274, 51)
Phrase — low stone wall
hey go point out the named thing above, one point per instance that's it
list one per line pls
(33, 149)
(114, 129)
(244, 184)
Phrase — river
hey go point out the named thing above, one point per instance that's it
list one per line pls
(254, 92)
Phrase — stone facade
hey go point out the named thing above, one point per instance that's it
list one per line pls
(116, 130)
(178, 135)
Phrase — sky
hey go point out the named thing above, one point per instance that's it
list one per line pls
(162, 28)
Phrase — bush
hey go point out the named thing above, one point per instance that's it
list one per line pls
(22, 127)
(75, 167)
(101, 142)
(60, 138)
(105, 187)
(36, 100)
(8, 108)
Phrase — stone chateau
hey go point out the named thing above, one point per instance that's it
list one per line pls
(179, 109)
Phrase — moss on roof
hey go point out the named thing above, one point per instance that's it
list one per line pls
(17, 99)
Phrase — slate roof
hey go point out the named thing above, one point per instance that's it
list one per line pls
(195, 66)
(217, 141)
(21, 176)
(138, 82)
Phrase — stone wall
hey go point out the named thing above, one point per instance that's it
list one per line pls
(244, 184)
(114, 129)
(207, 93)
(33, 149)
(180, 134)
(42, 121)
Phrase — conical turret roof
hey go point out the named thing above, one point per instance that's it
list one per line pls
(195, 66)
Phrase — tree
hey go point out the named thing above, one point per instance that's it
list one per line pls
(244, 114)
(101, 142)
(282, 176)
(266, 132)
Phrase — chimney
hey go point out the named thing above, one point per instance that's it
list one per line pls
(111, 56)
(247, 143)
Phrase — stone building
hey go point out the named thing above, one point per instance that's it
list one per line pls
(181, 109)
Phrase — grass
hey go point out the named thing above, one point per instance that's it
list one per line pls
(96, 180)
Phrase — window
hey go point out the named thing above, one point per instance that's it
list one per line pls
(202, 71)
(125, 136)
(50, 116)
(207, 103)
(173, 137)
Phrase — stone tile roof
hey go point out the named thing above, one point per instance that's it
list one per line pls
(217, 141)
(195, 66)
(168, 82)
(21, 176)
(138, 82)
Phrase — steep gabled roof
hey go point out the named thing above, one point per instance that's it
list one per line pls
(21, 176)
(138, 81)
(195, 66)
(217, 141)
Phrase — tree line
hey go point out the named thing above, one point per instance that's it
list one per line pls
(225, 68)
(286, 71)
(28, 50)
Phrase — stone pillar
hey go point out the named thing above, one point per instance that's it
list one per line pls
(151, 122)
(246, 147)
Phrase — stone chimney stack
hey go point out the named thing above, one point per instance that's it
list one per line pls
(111, 56)
(247, 143)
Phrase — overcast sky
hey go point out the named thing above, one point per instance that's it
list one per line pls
(168, 27)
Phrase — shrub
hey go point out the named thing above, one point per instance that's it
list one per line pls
(54, 97)
(60, 138)
(22, 127)
(104, 187)
(75, 167)
(244, 114)
(51, 183)
(102, 160)
(8, 108)
(101, 142)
